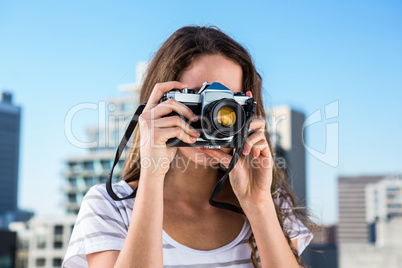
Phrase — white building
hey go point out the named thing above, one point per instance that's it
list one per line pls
(352, 225)
(43, 241)
(385, 254)
(375, 216)
(384, 199)
(92, 168)
(49, 240)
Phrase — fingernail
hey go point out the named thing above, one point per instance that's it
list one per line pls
(194, 118)
(245, 152)
(197, 133)
(193, 138)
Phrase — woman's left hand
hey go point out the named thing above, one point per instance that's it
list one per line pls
(251, 177)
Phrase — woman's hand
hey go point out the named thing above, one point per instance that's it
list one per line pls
(251, 177)
(155, 129)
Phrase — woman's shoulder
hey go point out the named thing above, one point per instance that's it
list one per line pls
(101, 224)
(97, 201)
(99, 192)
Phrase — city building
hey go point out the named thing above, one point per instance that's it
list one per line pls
(22, 247)
(370, 221)
(384, 199)
(10, 116)
(43, 241)
(323, 250)
(286, 131)
(92, 168)
(387, 253)
(8, 245)
(352, 225)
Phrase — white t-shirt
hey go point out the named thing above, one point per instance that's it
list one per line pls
(102, 224)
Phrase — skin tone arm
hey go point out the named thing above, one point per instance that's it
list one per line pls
(143, 244)
(272, 245)
(252, 187)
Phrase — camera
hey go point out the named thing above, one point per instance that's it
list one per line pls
(222, 114)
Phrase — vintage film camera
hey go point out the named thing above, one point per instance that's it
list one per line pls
(223, 114)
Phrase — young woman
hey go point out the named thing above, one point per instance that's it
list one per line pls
(170, 221)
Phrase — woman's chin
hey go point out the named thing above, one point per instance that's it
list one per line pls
(196, 156)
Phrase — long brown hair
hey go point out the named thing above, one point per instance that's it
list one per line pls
(175, 55)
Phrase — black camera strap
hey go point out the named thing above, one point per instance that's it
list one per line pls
(240, 141)
(122, 145)
(219, 185)
(241, 138)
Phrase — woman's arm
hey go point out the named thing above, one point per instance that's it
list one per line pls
(251, 180)
(143, 244)
(271, 242)
(143, 247)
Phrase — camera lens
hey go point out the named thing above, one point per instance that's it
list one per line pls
(226, 117)
(223, 118)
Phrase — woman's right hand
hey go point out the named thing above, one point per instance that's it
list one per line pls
(155, 129)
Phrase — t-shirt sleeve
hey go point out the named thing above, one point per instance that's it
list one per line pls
(297, 230)
(99, 227)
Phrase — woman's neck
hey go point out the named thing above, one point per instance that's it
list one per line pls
(189, 182)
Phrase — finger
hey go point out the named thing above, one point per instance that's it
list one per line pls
(160, 89)
(172, 105)
(266, 152)
(176, 121)
(257, 123)
(258, 148)
(163, 134)
(218, 155)
(251, 140)
(249, 94)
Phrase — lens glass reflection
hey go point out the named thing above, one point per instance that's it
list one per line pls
(226, 117)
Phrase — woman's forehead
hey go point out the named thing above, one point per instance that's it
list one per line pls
(213, 68)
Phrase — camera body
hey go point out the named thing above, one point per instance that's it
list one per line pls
(222, 114)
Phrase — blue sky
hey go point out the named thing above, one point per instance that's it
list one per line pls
(56, 54)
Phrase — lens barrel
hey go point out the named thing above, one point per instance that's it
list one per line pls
(223, 118)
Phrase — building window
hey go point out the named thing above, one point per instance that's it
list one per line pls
(58, 229)
(102, 180)
(126, 107)
(72, 198)
(106, 165)
(41, 242)
(121, 164)
(74, 167)
(23, 244)
(88, 181)
(89, 165)
(40, 262)
(57, 244)
(123, 107)
(73, 182)
(57, 262)
(95, 181)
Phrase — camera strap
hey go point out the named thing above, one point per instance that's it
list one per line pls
(240, 139)
(122, 145)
